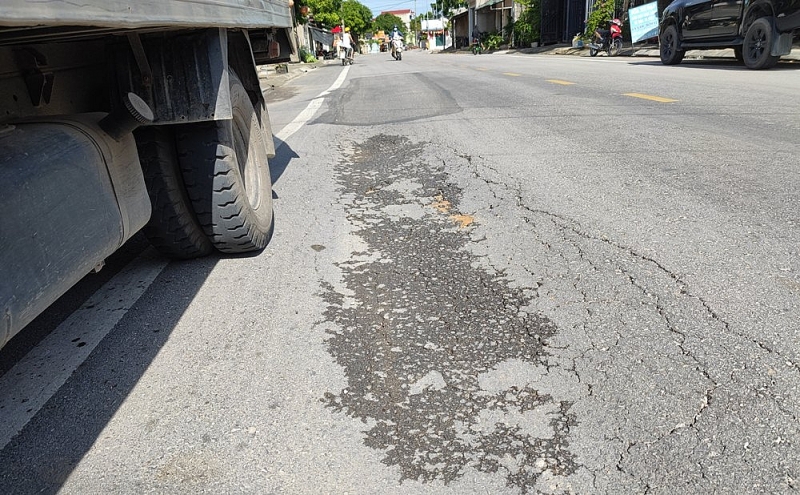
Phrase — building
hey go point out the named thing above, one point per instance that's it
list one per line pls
(405, 15)
(560, 21)
(435, 35)
(563, 19)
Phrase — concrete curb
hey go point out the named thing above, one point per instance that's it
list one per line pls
(644, 51)
(271, 76)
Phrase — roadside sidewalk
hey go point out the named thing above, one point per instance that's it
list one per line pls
(273, 76)
(628, 51)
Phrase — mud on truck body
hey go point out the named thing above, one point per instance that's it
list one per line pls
(117, 116)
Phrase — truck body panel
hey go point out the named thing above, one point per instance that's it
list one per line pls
(138, 14)
(73, 189)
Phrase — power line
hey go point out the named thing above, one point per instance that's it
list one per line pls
(389, 6)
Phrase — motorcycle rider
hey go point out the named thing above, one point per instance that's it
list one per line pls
(396, 38)
(477, 47)
(602, 34)
(347, 43)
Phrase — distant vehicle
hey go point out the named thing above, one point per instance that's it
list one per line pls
(759, 31)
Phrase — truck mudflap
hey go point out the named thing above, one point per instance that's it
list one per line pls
(783, 43)
(70, 195)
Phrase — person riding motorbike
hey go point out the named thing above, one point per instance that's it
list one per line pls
(607, 40)
(347, 43)
(477, 46)
(396, 38)
(601, 34)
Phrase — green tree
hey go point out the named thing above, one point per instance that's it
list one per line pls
(386, 22)
(527, 27)
(356, 16)
(447, 7)
(326, 12)
(416, 24)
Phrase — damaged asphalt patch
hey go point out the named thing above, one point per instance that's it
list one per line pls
(442, 357)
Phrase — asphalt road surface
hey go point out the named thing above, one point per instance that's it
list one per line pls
(490, 274)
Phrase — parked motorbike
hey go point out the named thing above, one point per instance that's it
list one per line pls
(397, 49)
(607, 40)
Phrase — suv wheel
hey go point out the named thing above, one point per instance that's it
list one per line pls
(670, 54)
(758, 44)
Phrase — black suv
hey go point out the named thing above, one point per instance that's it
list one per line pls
(759, 31)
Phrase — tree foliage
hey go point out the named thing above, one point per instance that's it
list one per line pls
(356, 16)
(447, 7)
(416, 24)
(385, 22)
(326, 12)
(527, 28)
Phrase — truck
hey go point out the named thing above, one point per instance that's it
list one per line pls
(124, 115)
(758, 31)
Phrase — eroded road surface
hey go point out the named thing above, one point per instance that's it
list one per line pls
(438, 352)
(468, 292)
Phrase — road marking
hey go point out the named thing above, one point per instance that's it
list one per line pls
(337, 83)
(482, 68)
(512, 74)
(308, 113)
(650, 97)
(559, 81)
(26, 387)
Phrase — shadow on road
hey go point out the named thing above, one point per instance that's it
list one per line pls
(43, 455)
(284, 154)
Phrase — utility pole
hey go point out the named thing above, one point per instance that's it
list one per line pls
(416, 18)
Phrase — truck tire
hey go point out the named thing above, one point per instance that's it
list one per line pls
(670, 54)
(173, 228)
(757, 45)
(226, 171)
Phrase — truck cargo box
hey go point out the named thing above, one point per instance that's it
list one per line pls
(134, 14)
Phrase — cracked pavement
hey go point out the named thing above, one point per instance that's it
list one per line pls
(613, 375)
(472, 288)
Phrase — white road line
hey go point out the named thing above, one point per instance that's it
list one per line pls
(306, 115)
(37, 377)
(337, 83)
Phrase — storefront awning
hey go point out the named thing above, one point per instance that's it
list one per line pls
(432, 25)
(321, 36)
(484, 3)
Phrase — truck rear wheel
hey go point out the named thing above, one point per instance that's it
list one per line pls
(226, 170)
(173, 228)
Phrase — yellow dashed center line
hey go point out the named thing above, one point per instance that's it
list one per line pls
(482, 68)
(512, 74)
(559, 81)
(650, 97)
